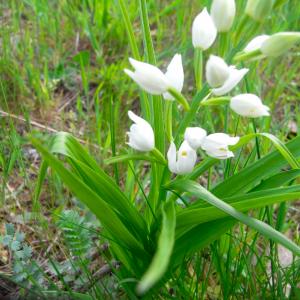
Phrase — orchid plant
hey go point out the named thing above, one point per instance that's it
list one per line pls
(152, 236)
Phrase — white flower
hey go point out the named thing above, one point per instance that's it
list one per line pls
(274, 45)
(216, 145)
(148, 77)
(223, 13)
(204, 31)
(221, 77)
(256, 43)
(217, 71)
(279, 43)
(194, 136)
(249, 105)
(182, 162)
(141, 135)
(175, 75)
(259, 9)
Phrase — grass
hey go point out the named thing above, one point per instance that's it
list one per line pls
(61, 67)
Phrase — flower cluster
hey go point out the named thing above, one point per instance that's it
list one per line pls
(221, 77)
(141, 138)
(215, 145)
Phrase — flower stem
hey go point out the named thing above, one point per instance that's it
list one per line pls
(256, 139)
(189, 116)
(241, 26)
(223, 43)
(243, 56)
(158, 155)
(198, 68)
(215, 101)
(169, 131)
(179, 98)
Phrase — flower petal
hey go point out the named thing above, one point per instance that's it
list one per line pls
(148, 77)
(256, 43)
(194, 136)
(187, 158)
(233, 80)
(216, 71)
(171, 155)
(220, 154)
(175, 75)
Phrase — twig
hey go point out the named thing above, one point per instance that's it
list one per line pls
(41, 126)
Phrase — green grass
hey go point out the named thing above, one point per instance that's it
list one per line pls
(61, 68)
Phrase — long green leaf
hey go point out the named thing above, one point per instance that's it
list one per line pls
(277, 180)
(97, 205)
(158, 111)
(189, 116)
(205, 233)
(199, 237)
(164, 249)
(263, 228)
(252, 175)
(145, 104)
(192, 216)
(65, 144)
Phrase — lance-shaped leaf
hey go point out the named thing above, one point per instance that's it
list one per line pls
(197, 190)
(108, 218)
(163, 252)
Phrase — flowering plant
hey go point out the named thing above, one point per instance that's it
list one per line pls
(151, 233)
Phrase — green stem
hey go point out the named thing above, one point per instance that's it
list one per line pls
(179, 98)
(198, 67)
(244, 56)
(256, 139)
(169, 109)
(149, 49)
(267, 210)
(159, 156)
(158, 110)
(239, 31)
(113, 138)
(142, 190)
(129, 30)
(281, 216)
(223, 43)
(216, 101)
(189, 116)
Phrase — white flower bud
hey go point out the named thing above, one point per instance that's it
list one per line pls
(223, 13)
(182, 162)
(194, 136)
(141, 135)
(259, 9)
(279, 43)
(175, 75)
(249, 105)
(148, 77)
(256, 43)
(204, 31)
(216, 145)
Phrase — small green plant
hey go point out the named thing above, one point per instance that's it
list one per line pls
(25, 270)
(152, 230)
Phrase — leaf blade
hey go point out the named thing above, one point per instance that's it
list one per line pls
(160, 261)
(263, 228)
